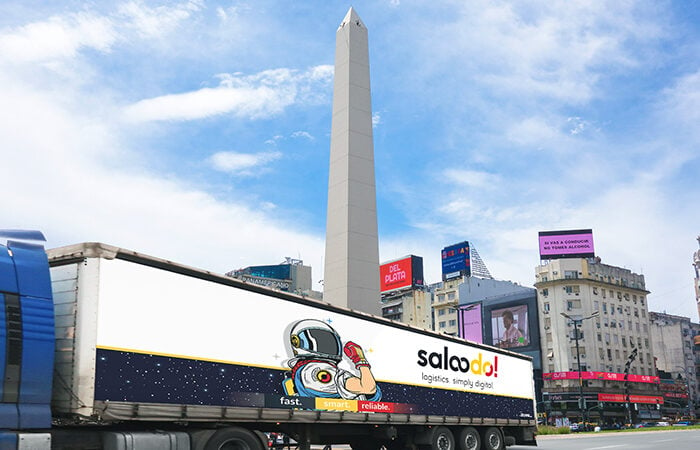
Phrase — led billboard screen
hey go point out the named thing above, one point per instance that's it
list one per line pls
(456, 261)
(400, 274)
(566, 244)
(470, 323)
(510, 327)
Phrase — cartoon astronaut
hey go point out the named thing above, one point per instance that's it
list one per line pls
(315, 372)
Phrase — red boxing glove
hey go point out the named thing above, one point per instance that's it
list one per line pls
(355, 353)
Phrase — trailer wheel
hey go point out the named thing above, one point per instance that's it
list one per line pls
(233, 438)
(442, 439)
(492, 439)
(469, 439)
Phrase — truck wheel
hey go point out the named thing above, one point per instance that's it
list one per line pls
(492, 439)
(233, 438)
(442, 439)
(469, 439)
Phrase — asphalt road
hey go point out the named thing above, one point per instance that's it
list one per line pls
(661, 439)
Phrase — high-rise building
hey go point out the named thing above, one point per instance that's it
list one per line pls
(675, 360)
(289, 276)
(608, 307)
(696, 265)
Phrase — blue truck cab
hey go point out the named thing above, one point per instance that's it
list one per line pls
(27, 337)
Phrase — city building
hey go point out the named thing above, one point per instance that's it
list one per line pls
(449, 294)
(404, 297)
(594, 328)
(696, 265)
(675, 356)
(289, 276)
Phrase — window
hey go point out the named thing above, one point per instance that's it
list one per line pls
(644, 313)
(621, 324)
(573, 304)
(645, 328)
(605, 308)
(572, 289)
(616, 340)
(609, 354)
(595, 305)
(442, 324)
(603, 292)
(636, 312)
(441, 312)
(441, 297)
(637, 326)
(570, 274)
(545, 306)
(600, 337)
(607, 338)
(646, 343)
(624, 342)
(617, 354)
(595, 291)
(453, 323)
(451, 295)
(600, 352)
(613, 324)
(545, 292)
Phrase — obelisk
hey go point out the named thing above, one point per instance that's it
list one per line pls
(351, 272)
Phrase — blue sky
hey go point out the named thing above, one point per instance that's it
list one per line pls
(199, 131)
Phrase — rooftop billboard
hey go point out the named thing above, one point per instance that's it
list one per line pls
(566, 244)
(401, 274)
(456, 261)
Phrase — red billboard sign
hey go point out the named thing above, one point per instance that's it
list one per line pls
(622, 398)
(396, 275)
(607, 376)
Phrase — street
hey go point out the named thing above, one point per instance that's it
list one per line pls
(676, 439)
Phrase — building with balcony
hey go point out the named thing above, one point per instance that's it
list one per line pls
(696, 265)
(608, 307)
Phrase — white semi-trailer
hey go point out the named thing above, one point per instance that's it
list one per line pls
(127, 350)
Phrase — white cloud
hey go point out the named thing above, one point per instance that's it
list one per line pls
(155, 22)
(57, 38)
(302, 134)
(256, 96)
(533, 131)
(376, 119)
(471, 178)
(242, 163)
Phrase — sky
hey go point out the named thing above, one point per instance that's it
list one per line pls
(200, 131)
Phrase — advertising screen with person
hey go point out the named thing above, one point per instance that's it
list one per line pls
(509, 327)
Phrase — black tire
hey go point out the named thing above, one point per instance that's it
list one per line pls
(492, 439)
(442, 439)
(234, 438)
(469, 439)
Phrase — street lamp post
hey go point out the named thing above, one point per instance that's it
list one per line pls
(577, 322)
(686, 381)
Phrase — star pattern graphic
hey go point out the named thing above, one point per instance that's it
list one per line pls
(144, 378)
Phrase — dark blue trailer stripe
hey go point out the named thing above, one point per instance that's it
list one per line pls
(144, 378)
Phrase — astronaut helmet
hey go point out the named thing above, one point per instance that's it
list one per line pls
(312, 338)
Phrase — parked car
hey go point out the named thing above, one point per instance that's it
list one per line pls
(683, 423)
(662, 424)
(574, 427)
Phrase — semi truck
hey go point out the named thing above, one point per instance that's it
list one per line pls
(107, 348)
